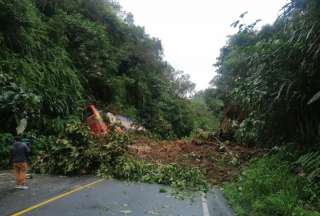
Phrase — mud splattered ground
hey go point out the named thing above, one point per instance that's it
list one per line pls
(221, 160)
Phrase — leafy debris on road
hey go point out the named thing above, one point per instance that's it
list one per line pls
(220, 160)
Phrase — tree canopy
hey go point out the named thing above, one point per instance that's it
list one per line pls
(273, 73)
(57, 56)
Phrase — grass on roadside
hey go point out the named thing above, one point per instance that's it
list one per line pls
(267, 187)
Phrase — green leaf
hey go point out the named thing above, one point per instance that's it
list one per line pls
(314, 98)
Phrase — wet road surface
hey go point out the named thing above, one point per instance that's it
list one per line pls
(88, 195)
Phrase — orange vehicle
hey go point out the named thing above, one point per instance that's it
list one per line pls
(95, 121)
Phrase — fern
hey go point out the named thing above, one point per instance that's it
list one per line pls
(311, 164)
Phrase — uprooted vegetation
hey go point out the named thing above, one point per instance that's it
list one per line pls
(181, 178)
(76, 152)
(182, 164)
(220, 161)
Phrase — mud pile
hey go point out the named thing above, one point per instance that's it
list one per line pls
(222, 161)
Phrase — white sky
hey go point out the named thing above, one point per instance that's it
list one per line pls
(192, 32)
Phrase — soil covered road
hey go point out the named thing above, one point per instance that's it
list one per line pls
(222, 161)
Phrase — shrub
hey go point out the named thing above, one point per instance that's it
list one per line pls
(77, 151)
(268, 188)
(5, 142)
(248, 131)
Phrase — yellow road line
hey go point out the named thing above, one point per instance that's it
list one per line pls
(56, 198)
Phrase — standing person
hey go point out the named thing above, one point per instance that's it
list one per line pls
(19, 157)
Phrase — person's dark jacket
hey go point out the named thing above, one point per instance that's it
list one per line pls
(19, 152)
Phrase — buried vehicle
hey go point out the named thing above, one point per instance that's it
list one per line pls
(99, 127)
(95, 122)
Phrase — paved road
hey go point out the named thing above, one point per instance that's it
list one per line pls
(82, 196)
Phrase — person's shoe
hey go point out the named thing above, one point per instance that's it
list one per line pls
(18, 187)
(24, 187)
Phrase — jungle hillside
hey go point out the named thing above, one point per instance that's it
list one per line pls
(255, 133)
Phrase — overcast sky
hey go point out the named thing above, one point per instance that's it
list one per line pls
(192, 32)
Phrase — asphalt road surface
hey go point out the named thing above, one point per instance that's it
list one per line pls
(88, 195)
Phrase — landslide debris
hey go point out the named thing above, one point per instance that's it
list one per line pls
(222, 161)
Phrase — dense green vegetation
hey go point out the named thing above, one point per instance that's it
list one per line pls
(272, 74)
(206, 111)
(77, 152)
(58, 56)
(268, 187)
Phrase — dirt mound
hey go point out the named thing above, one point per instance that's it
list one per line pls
(221, 160)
